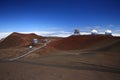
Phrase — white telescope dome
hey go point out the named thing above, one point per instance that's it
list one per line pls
(108, 32)
(30, 47)
(94, 32)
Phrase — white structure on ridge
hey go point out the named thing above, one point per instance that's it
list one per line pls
(30, 47)
(108, 32)
(35, 41)
(94, 32)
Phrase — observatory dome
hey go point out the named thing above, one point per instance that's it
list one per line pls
(94, 32)
(35, 41)
(108, 32)
(76, 32)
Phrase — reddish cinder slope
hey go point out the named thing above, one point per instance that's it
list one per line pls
(17, 39)
(82, 42)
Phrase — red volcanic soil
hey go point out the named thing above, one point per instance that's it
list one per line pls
(83, 42)
(17, 40)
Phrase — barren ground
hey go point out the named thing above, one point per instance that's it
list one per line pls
(68, 62)
(63, 65)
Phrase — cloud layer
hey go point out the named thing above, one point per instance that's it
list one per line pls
(55, 33)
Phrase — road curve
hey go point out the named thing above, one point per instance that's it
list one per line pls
(16, 58)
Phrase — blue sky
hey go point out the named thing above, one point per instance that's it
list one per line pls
(59, 15)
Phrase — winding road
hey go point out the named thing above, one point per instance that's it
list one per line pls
(82, 66)
(16, 58)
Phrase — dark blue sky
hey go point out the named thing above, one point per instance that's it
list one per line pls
(55, 15)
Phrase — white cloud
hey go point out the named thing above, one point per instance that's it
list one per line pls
(55, 33)
(42, 33)
(116, 34)
(85, 33)
(4, 34)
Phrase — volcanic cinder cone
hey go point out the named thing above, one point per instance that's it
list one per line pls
(18, 40)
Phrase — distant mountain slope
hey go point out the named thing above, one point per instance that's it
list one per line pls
(83, 42)
(17, 39)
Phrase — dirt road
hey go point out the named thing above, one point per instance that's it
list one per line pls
(16, 58)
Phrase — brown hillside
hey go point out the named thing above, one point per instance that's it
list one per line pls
(82, 42)
(115, 47)
(17, 39)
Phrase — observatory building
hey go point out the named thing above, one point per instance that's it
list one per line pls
(35, 41)
(108, 32)
(30, 47)
(76, 32)
(94, 32)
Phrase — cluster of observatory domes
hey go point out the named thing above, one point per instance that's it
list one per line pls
(94, 32)
(107, 32)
